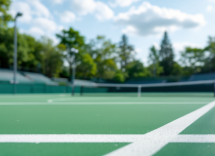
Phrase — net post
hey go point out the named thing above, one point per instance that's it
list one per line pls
(139, 91)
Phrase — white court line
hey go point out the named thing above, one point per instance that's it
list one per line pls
(69, 138)
(70, 100)
(98, 103)
(96, 138)
(153, 141)
(34, 95)
(194, 139)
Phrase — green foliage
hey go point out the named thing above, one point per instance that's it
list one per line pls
(153, 55)
(155, 70)
(136, 69)
(209, 60)
(27, 52)
(192, 60)
(103, 52)
(166, 56)
(153, 60)
(177, 69)
(119, 76)
(52, 59)
(126, 53)
(6, 47)
(4, 16)
(87, 68)
(71, 39)
(64, 73)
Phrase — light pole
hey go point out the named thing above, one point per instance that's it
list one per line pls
(74, 51)
(15, 52)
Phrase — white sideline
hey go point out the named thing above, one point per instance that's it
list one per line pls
(98, 103)
(194, 139)
(153, 141)
(68, 138)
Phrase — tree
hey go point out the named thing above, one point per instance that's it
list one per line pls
(166, 56)
(71, 39)
(5, 17)
(87, 67)
(103, 52)
(192, 60)
(126, 53)
(136, 69)
(28, 51)
(177, 69)
(119, 76)
(153, 60)
(52, 58)
(209, 59)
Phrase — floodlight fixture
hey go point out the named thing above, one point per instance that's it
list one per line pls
(19, 14)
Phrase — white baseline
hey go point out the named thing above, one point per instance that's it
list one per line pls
(100, 103)
(96, 138)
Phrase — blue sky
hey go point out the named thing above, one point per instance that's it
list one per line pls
(188, 22)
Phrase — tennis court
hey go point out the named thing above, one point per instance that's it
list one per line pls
(158, 124)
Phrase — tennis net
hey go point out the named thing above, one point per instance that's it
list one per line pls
(139, 90)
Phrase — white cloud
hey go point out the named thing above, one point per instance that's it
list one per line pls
(36, 17)
(29, 8)
(148, 19)
(100, 9)
(58, 1)
(209, 8)
(103, 12)
(84, 7)
(122, 3)
(45, 24)
(67, 17)
(23, 8)
(39, 9)
(36, 31)
(60, 28)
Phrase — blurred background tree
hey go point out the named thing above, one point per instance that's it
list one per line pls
(153, 60)
(71, 39)
(192, 60)
(126, 53)
(103, 52)
(5, 17)
(99, 58)
(52, 58)
(209, 56)
(166, 56)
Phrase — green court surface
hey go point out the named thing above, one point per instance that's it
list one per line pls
(154, 124)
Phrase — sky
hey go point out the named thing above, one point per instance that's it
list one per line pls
(188, 22)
